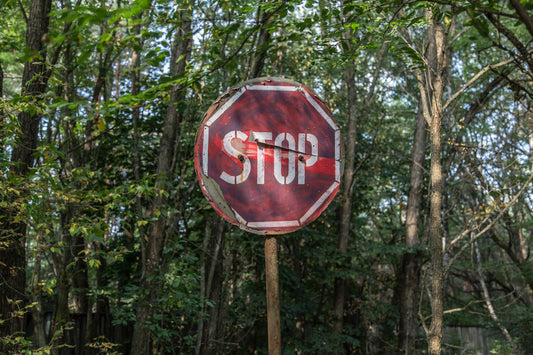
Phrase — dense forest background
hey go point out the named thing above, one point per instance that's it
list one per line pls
(109, 247)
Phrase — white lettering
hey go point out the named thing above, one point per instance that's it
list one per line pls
(284, 180)
(288, 152)
(246, 167)
(302, 162)
(261, 137)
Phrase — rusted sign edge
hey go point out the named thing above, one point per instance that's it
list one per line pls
(220, 106)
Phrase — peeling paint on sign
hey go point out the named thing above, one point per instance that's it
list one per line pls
(268, 156)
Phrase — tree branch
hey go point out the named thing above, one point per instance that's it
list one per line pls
(488, 226)
(474, 79)
(488, 302)
(23, 12)
(524, 16)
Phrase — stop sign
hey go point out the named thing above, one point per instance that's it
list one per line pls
(268, 156)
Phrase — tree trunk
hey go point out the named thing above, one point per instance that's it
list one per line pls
(345, 211)
(431, 86)
(12, 275)
(12, 250)
(412, 259)
(33, 84)
(141, 343)
(436, 183)
(1, 83)
(79, 276)
(212, 288)
(262, 43)
(37, 310)
(61, 317)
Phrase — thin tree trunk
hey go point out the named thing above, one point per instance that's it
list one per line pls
(412, 259)
(203, 285)
(212, 288)
(36, 290)
(261, 46)
(141, 343)
(1, 82)
(61, 317)
(436, 185)
(431, 86)
(345, 211)
(79, 276)
(136, 111)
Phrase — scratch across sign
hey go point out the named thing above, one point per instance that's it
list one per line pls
(268, 156)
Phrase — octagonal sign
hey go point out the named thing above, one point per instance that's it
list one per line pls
(268, 156)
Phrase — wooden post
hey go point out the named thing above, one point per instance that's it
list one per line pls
(272, 295)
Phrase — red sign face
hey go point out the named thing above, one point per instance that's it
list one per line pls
(268, 156)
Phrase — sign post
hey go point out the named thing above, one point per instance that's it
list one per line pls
(272, 295)
(268, 158)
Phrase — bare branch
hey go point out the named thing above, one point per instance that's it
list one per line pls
(474, 79)
(23, 12)
(488, 226)
(488, 302)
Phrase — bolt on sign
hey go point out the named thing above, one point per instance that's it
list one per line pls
(268, 156)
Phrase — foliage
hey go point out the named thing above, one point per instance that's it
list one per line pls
(88, 200)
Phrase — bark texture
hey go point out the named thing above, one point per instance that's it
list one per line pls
(345, 211)
(412, 259)
(436, 185)
(142, 339)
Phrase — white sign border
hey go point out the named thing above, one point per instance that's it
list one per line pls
(321, 112)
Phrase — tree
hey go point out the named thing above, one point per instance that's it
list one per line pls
(13, 230)
(158, 233)
(412, 259)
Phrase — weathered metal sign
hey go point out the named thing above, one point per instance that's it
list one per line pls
(268, 156)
